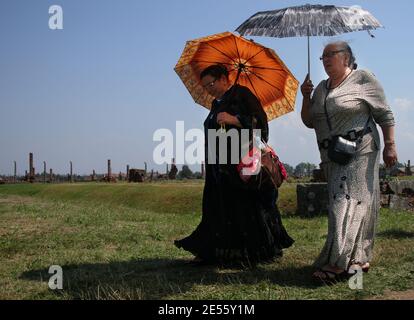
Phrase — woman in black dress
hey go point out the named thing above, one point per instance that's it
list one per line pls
(240, 223)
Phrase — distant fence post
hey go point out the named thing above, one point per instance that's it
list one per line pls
(408, 171)
(31, 169)
(44, 171)
(109, 170)
(15, 172)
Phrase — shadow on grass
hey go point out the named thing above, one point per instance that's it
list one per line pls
(304, 216)
(396, 234)
(160, 278)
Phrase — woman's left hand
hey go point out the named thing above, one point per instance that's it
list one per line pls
(390, 155)
(227, 118)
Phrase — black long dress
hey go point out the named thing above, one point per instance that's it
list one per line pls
(239, 223)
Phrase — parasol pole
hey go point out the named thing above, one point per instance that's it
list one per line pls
(239, 70)
(308, 52)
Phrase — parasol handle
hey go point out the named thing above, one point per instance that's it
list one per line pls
(239, 70)
(308, 52)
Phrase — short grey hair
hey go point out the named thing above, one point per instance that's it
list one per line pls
(343, 45)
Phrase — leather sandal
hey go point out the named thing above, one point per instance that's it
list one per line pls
(364, 269)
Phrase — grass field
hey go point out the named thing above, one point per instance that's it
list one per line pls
(115, 241)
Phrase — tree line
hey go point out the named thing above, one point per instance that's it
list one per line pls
(302, 170)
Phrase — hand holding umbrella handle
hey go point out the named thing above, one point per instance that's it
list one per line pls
(307, 87)
(308, 51)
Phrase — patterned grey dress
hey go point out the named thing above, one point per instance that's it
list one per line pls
(353, 188)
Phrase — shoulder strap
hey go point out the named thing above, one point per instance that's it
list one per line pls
(365, 128)
(329, 121)
(326, 110)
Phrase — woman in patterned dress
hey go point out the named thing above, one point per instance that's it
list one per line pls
(354, 99)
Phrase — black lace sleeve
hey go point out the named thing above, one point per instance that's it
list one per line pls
(249, 108)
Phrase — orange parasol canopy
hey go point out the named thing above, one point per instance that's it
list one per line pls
(251, 64)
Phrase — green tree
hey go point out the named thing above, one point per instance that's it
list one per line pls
(304, 169)
(289, 169)
(197, 175)
(185, 173)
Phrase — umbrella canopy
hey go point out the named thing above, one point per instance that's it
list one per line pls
(249, 64)
(308, 20)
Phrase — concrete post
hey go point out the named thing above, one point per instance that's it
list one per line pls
(44, 171)
(202, 169)
(15, 172)
(109, 170)
(31, 169)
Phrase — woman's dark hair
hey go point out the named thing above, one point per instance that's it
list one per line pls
(342, 45)
(216, 71)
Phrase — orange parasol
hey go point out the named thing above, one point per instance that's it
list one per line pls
(249, 64)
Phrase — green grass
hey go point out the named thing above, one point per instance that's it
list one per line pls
(115, 241)
(404, 178)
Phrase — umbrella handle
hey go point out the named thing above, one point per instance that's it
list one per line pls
(308, 52)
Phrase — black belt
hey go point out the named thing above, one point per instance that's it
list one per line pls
(351, 135)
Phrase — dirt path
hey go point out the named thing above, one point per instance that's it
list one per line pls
(13, 199)
(395, 295)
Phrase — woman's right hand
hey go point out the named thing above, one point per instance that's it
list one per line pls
(307, 87)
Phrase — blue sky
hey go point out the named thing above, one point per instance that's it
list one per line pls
(99, 88)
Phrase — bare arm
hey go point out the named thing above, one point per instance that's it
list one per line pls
(390, 152)
(306, 89)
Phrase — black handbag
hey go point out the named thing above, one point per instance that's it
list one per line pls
(340, 149)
